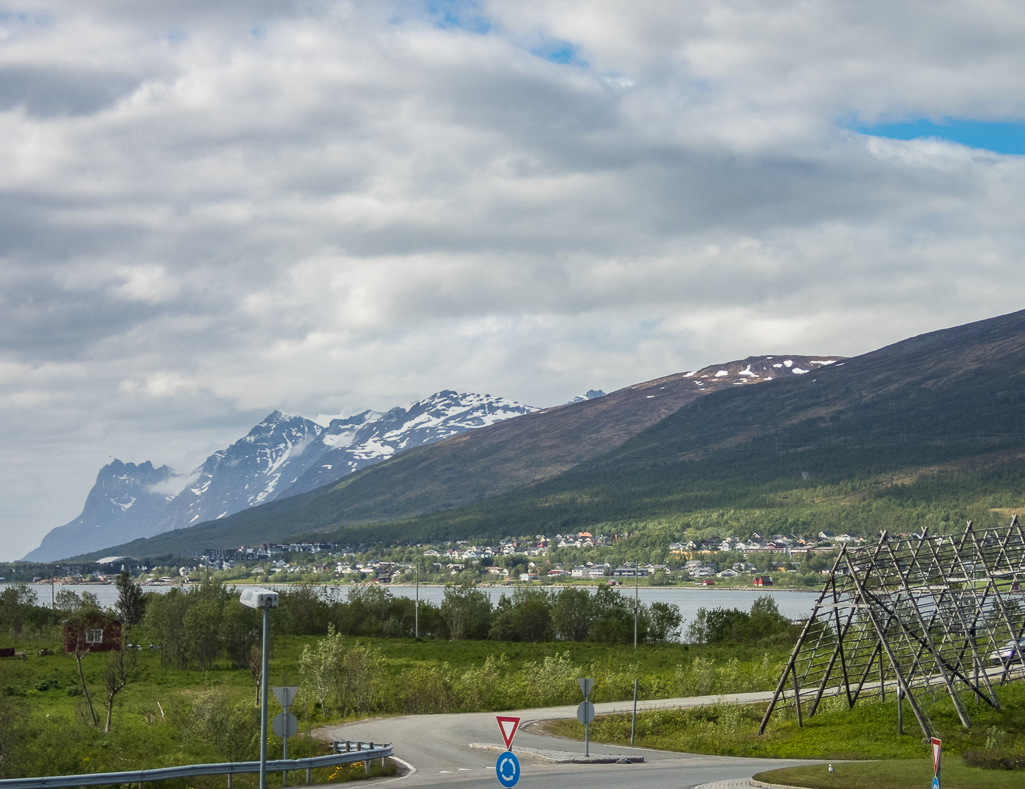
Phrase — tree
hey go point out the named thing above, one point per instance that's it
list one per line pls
(767, 624)
(467, 612)
(365, 610)
(663, 623)
(527, 617)
(16, 603)
(362, 669)
(256, 668)
(320, 665)
(614, 620)
(240, 633)
(190, 625)
(68, 602)
(78, 647)
(117, 672)
(232, 729)
(131, 604)
(202, 626)
(302, 611)
(572, 614)
(165, 617)
(717, 625)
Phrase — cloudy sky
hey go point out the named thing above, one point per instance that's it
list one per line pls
(210, 210)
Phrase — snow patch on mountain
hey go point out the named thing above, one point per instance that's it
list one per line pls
(591, 394)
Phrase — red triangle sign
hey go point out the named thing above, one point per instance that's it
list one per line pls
(508, 726)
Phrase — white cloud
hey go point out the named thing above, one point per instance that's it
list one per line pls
(209, 210)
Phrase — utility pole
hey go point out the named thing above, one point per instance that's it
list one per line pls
(636, 603)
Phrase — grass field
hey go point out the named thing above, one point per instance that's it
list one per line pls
(868, 732)
(169, 716)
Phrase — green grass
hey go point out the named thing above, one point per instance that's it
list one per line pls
(168, 716)
(892, 775)
(869, 732)
(154, 726)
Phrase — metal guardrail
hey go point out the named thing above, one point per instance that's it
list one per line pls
(344, 753)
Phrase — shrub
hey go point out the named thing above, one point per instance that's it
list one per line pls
(427, 689)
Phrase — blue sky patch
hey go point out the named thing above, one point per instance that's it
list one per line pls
(558, 51)
(1006, 138)
(465, 14)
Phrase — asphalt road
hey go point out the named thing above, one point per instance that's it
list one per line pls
(437, 748)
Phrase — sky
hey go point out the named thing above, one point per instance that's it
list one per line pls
(211, 210)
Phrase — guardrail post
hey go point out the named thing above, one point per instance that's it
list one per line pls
(231, 780)
(309, 775)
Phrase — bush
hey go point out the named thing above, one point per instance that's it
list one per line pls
(427, 690)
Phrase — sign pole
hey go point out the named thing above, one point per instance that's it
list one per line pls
(633, 722)
(285, 724)
(585, 712)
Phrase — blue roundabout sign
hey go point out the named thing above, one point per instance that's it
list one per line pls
(508, 769)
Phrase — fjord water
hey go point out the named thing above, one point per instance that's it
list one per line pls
(794, 605)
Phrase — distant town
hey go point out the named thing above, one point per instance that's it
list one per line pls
(579, 557)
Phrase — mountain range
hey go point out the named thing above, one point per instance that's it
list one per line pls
(280, 457)
(480, 464)
(923, 433)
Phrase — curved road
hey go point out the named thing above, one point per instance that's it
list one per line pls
(437, 748)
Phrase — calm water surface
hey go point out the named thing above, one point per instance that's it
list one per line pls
(795, 605)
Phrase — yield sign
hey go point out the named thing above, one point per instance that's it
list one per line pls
(286, 695)
(508, 726)
(937, 749)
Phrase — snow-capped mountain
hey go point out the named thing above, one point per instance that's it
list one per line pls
(257, 468)
(359, 441)
(282, 456)
(124, 499)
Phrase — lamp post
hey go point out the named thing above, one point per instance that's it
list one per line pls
(416, 609)
(265, 600)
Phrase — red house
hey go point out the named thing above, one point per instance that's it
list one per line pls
(93, 634)
(762, 580)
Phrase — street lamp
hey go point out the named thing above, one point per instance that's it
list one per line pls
(263, 599)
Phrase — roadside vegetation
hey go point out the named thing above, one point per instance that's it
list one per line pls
(193, 697)
(835, 733)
